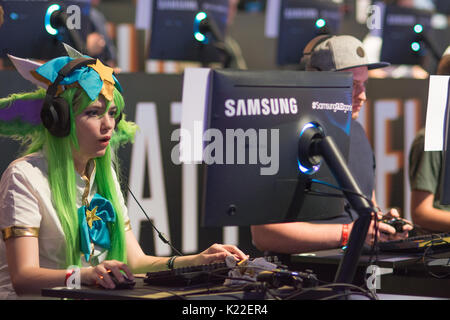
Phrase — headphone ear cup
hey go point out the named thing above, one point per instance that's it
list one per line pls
(55, 116)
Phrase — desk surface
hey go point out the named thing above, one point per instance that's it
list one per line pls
(404, 274)
(383, 260)
(143, 291)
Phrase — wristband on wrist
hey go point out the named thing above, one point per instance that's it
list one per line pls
(68, 274)
(170, 262)
(345, 234)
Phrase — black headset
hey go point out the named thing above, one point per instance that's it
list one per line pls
(309, 48)
(55, 113)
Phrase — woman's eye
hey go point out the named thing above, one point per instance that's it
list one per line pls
(113, 113)
(91, 113)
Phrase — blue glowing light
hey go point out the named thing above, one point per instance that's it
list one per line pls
(199, 37)
(418, 28)
(415, 46)
(200, 16)
(306, 170)
(48, 14)
(307, 126)
(320, 23)
(302, 168)
(14, 16)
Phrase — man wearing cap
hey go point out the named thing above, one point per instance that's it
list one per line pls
(346, 54)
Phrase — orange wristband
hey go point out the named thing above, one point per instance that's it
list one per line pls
(344, 235)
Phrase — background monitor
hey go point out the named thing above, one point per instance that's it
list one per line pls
(302, 20)
(172, 29)
(442, 6)
(28, 31)
(251, 116)
(404, 35)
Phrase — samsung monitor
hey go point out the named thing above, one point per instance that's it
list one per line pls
(302, 20)
(36, 29)
(404, 35)
(174, 24)
(251, 125)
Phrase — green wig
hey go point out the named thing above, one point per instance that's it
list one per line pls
(62, 174)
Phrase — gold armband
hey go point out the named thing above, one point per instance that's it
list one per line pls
(19, 231)
(127, 225)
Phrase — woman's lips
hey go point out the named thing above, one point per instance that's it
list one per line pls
(105, 141)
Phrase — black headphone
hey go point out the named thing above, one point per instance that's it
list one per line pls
(55, 113)
(309, 48)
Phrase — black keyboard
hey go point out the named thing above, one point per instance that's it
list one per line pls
(187, 276)
(418, 244)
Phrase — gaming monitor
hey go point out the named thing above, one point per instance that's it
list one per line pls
(405, 35)
(252, 124)
(442, 6)
(173, 26)
(302, 20)
(30, 31)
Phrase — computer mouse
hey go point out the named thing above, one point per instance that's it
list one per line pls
(121, 285)
(397, 224)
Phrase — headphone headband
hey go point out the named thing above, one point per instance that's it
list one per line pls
(55, 113)
(309, 48)
(66, 70)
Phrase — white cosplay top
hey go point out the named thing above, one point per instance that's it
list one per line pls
(26, 209)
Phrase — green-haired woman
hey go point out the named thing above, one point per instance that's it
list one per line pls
(61, 204)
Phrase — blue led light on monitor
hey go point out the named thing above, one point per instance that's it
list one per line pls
(320, 23)
(301, 167)
(306, 170)
(418, 28)
(14, 16)
(48, 14)
(200, 37)
(415, 46)
(200, 16)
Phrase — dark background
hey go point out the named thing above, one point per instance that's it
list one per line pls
(164, 89)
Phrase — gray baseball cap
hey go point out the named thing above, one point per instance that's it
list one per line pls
(335, 53)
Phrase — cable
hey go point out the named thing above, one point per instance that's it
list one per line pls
(429, 247)
(160, 235)
(347, 285)
(342, 189)
(164, 290)
(346, 294)
(324, 194)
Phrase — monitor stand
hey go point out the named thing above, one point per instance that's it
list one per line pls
(320, 146)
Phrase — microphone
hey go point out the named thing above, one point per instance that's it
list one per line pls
(160, 234)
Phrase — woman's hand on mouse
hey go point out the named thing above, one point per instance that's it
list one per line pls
(102, 273)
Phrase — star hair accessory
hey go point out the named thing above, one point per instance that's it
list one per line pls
(93, 78)
(22, 116)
